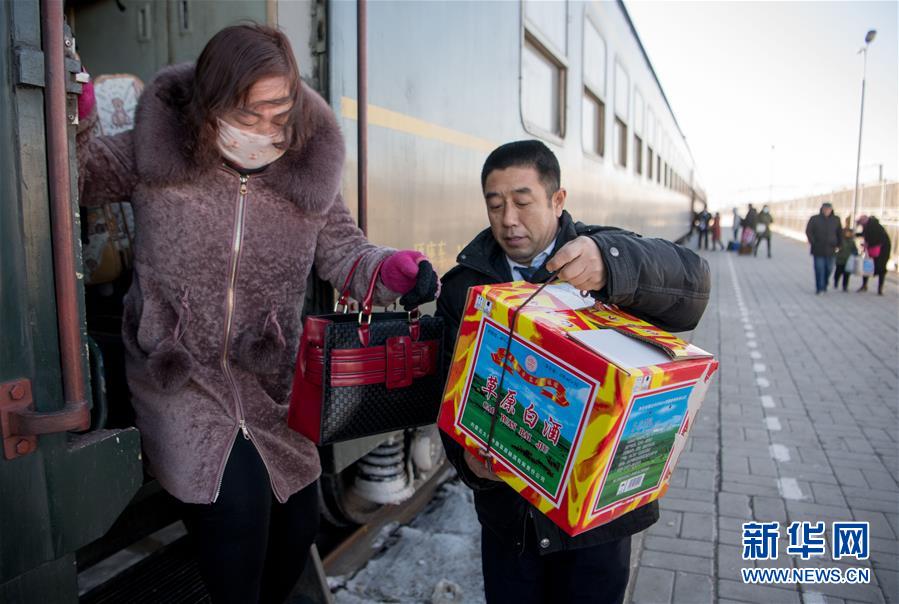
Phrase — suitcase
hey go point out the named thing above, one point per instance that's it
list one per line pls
(746, 249)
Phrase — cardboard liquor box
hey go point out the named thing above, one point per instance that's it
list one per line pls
(594, 404)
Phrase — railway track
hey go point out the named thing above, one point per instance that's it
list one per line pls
(161, 567)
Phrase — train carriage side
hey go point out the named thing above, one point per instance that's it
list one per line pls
(448, 81)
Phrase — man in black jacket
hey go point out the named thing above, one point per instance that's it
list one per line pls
(824, 237)
(525, 556)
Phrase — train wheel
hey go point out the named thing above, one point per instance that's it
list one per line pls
(341, 505)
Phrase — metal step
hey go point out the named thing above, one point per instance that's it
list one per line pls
(168, 575)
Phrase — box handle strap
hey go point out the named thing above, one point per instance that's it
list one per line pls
(505, 366)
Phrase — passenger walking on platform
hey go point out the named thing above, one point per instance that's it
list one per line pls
(703, 221)
(234, 170)
(716, 232)
(878, 247)
(738, 225)
(763, 230)
(749, 223)
(847, 251)
(526, 558)
(824, 236)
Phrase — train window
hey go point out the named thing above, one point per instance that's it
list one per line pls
(620, 142)
(659, 169)
(622, 93)
(594, 60)
(542, 88)
(649, 162)
(638, 131)
(638, 155)
(593, 124)
(550, 19)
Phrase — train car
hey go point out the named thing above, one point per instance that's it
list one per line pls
(443, 84)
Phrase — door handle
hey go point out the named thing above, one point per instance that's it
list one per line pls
(21, 423)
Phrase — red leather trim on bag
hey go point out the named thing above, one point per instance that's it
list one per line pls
(345, 290)
(399, 362)
(396, 364)
(306, 387)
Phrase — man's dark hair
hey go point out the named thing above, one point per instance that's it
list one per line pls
(532, 154)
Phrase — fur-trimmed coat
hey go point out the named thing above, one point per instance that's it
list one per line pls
(195, 376)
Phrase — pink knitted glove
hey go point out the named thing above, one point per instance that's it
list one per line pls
(400, 271)
(86, 100)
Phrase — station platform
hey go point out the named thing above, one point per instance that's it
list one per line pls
(801, 425)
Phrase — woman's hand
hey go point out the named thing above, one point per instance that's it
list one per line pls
(87, 102)
(408, 272)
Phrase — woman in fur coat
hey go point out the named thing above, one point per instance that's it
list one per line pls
(233, 170)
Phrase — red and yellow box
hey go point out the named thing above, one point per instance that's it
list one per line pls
(594, 404)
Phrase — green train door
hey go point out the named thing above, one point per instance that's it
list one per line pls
(59, 490)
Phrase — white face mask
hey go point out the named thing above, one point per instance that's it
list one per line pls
(247, 149)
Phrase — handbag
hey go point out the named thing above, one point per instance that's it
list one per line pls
(873, 251)
(366, 373)
(867, 266)
(853, 266)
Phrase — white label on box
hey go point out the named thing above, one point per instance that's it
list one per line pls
(569, 296)
(623, 351)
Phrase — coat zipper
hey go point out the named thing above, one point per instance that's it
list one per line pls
(237, 243)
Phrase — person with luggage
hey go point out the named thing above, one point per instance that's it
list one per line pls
(716, 232)
(877, 247)
(847, 252)
(749, 223)
(526, 558)
(234, 169)
(737, 225)
(824, 237)
(703, 222)
(763, 230)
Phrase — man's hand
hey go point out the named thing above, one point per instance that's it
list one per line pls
(479, 469)
(581, 264)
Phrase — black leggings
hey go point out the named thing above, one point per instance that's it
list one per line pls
(839, 273)
(251, 548)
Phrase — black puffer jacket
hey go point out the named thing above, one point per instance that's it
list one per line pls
(651, 278)
(875, 235)
(824, 234)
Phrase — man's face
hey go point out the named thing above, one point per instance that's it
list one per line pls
(827, 210)
(523, 218)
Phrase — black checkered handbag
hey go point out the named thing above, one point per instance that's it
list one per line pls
(366, 373)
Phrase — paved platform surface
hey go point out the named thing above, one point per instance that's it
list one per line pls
(801, 424)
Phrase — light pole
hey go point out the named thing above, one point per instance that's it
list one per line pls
(869, 37)
(771, 178)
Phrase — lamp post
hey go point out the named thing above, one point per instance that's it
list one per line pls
(869, 37)
(771, 178)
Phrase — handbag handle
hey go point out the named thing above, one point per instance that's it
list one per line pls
(345, 290)
(365, 306)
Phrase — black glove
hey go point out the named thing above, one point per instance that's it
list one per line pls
(426, 287)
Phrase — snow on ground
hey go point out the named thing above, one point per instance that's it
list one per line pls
(435, 559)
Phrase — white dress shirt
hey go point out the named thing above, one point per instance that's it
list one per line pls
(538, 260)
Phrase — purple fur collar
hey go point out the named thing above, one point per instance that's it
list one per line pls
(309, 177)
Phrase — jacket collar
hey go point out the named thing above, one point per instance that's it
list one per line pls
(309, 176)
(484, 254)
